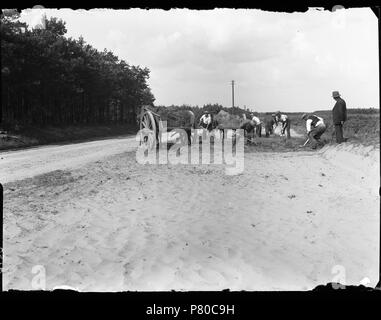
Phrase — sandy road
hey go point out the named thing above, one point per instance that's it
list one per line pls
(17, 165)
(291, 221)
(21, 164)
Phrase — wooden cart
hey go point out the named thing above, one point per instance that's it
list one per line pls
(152, 127)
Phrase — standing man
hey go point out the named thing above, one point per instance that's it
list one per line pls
(269, 125)
(339, 115)
(315, 128)
(273, 116)
(285, 121)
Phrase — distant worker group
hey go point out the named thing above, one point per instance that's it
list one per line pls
(269, 124)
(315, 125)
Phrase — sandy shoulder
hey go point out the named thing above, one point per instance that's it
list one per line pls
(283, 224)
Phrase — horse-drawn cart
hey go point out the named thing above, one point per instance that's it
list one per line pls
(226, 121)
(154, 127)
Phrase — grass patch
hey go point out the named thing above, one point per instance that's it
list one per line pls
(275, 144)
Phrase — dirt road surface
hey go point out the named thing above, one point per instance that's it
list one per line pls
(94, 219)
(16, 165)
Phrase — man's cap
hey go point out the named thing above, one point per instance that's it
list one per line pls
(304, 116)
(335, 94)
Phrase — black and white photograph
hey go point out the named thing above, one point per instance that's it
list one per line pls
(152, 150)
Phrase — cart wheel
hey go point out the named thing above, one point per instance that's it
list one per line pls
(148, 130)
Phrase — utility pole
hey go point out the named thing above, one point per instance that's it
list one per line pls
(233, 93)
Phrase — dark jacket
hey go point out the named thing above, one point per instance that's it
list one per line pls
(269, 123)
(339, 111)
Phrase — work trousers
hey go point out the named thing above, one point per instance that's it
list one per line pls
(339, 133)
(316, 133)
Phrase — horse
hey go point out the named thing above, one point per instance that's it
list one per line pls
(223, 120)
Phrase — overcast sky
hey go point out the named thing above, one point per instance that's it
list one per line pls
(286, 61)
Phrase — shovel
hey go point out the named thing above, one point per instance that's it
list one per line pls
(308, 139)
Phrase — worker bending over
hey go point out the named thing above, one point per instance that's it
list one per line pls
(206, 121)
(257, 125)
(315, 128)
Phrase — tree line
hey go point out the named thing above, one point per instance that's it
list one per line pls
(50, 79)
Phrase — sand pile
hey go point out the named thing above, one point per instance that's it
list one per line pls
(355, 158)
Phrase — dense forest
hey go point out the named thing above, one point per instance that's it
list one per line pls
(50, 79)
